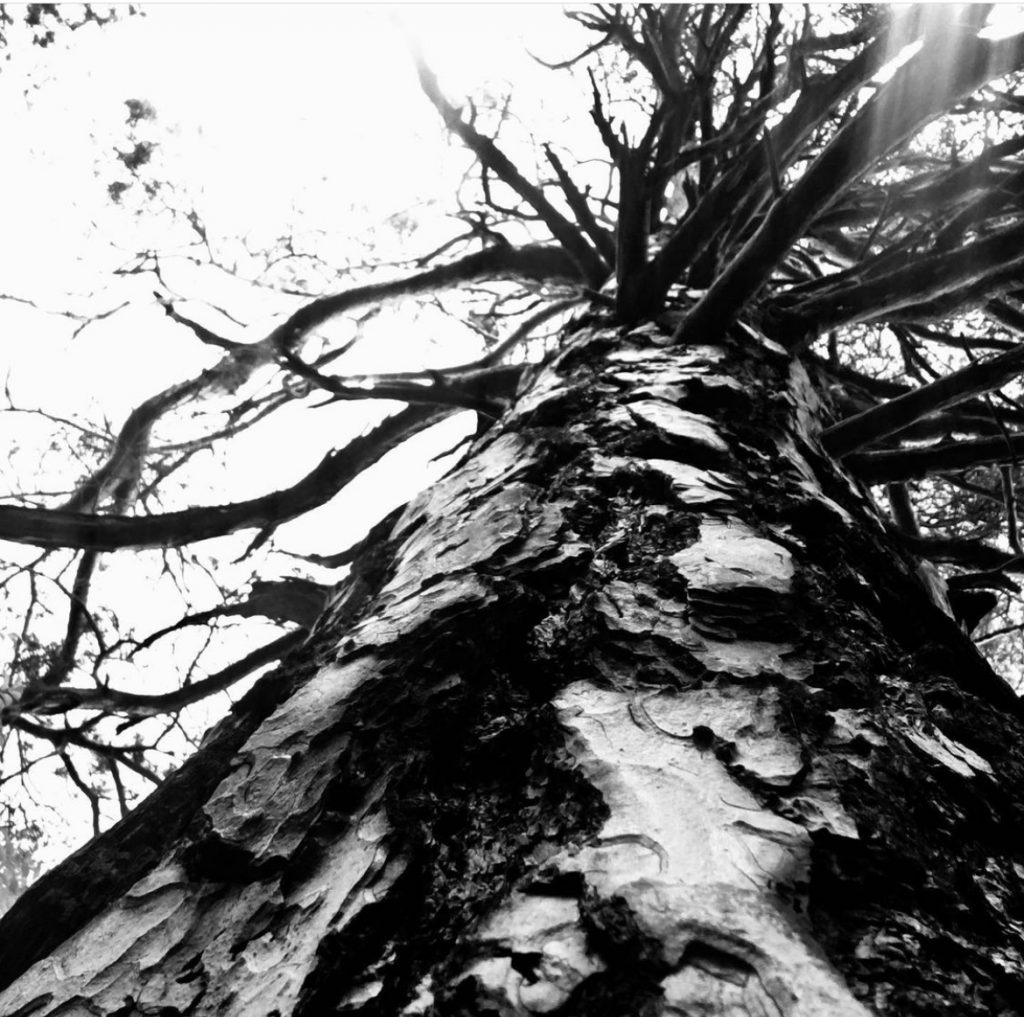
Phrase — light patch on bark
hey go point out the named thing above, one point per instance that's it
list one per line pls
(680, 426)
(694, 854)
(810, 484)
(748, 658)
(948, 753)
(938, 590)
(807, 406)
(699, 825)
(470, 536)
(694, 360)
(851, 725)
(412, 607)
(693, 486)
(638, 609)
(748, 956)
(730, 556)
(807, 416)
(758, 338)
(546, 929)
(545, 391)
(277, 776)
(479, 512)
(501, 462)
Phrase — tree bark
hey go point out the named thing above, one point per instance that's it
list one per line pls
(638, 711)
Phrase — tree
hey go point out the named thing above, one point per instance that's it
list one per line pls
(647, 706)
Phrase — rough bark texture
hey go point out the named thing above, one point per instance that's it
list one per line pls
(636, 712)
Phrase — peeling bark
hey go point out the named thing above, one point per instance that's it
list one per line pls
(638, 711)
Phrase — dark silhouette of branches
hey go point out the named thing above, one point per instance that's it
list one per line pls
(60, 528)
(137, 705)
(537, 263)
(917, 92)
(877, 422)
(945, 457)
(589, 263)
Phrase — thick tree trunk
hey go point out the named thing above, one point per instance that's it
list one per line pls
(637, 711)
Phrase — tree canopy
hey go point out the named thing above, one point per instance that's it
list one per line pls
(846, 178)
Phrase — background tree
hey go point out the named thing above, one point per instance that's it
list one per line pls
(646, 705)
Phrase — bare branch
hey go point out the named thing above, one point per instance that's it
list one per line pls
(59, 528)
(483, 388)
(938, 282)
(918, 91)
(137, 705)
(591, 267)
(880, 421)
(601, 238)
(536, 262)
(70, 736)
(963, 551)
(902, 464)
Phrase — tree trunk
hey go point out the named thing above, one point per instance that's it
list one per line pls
(636, 711)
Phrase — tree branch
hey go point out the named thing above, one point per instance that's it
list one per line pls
(903, 464)
(537, 262)
(880, 421)
(963, 551)
(591, 266)
(745, 189)
(58, 528)
(601, 238)
(918, 91)
(137, 705)
(68, 736)
(486, 389)
(969, 272)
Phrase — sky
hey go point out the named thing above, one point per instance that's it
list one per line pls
(271, 120)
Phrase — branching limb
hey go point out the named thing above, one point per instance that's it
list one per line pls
(541, 263)
(484, 389)
(78, 617)
(118, 478)
(902, 509)
(293, 600)
(205, 335)
(1010, 504)
(535, 262)
(524, 331)
(736, 197)
(880, 421)
(590, 264)
(89, 793)
(577, 201)
(633, 230)
(69, 736)
(963, 551)
(902, 464)
(136, 705)
(968, 273)
(58, 528)
(917, 92)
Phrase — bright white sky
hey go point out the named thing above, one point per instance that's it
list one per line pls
(272, 119)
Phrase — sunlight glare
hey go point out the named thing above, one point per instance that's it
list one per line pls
(1004, 21)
